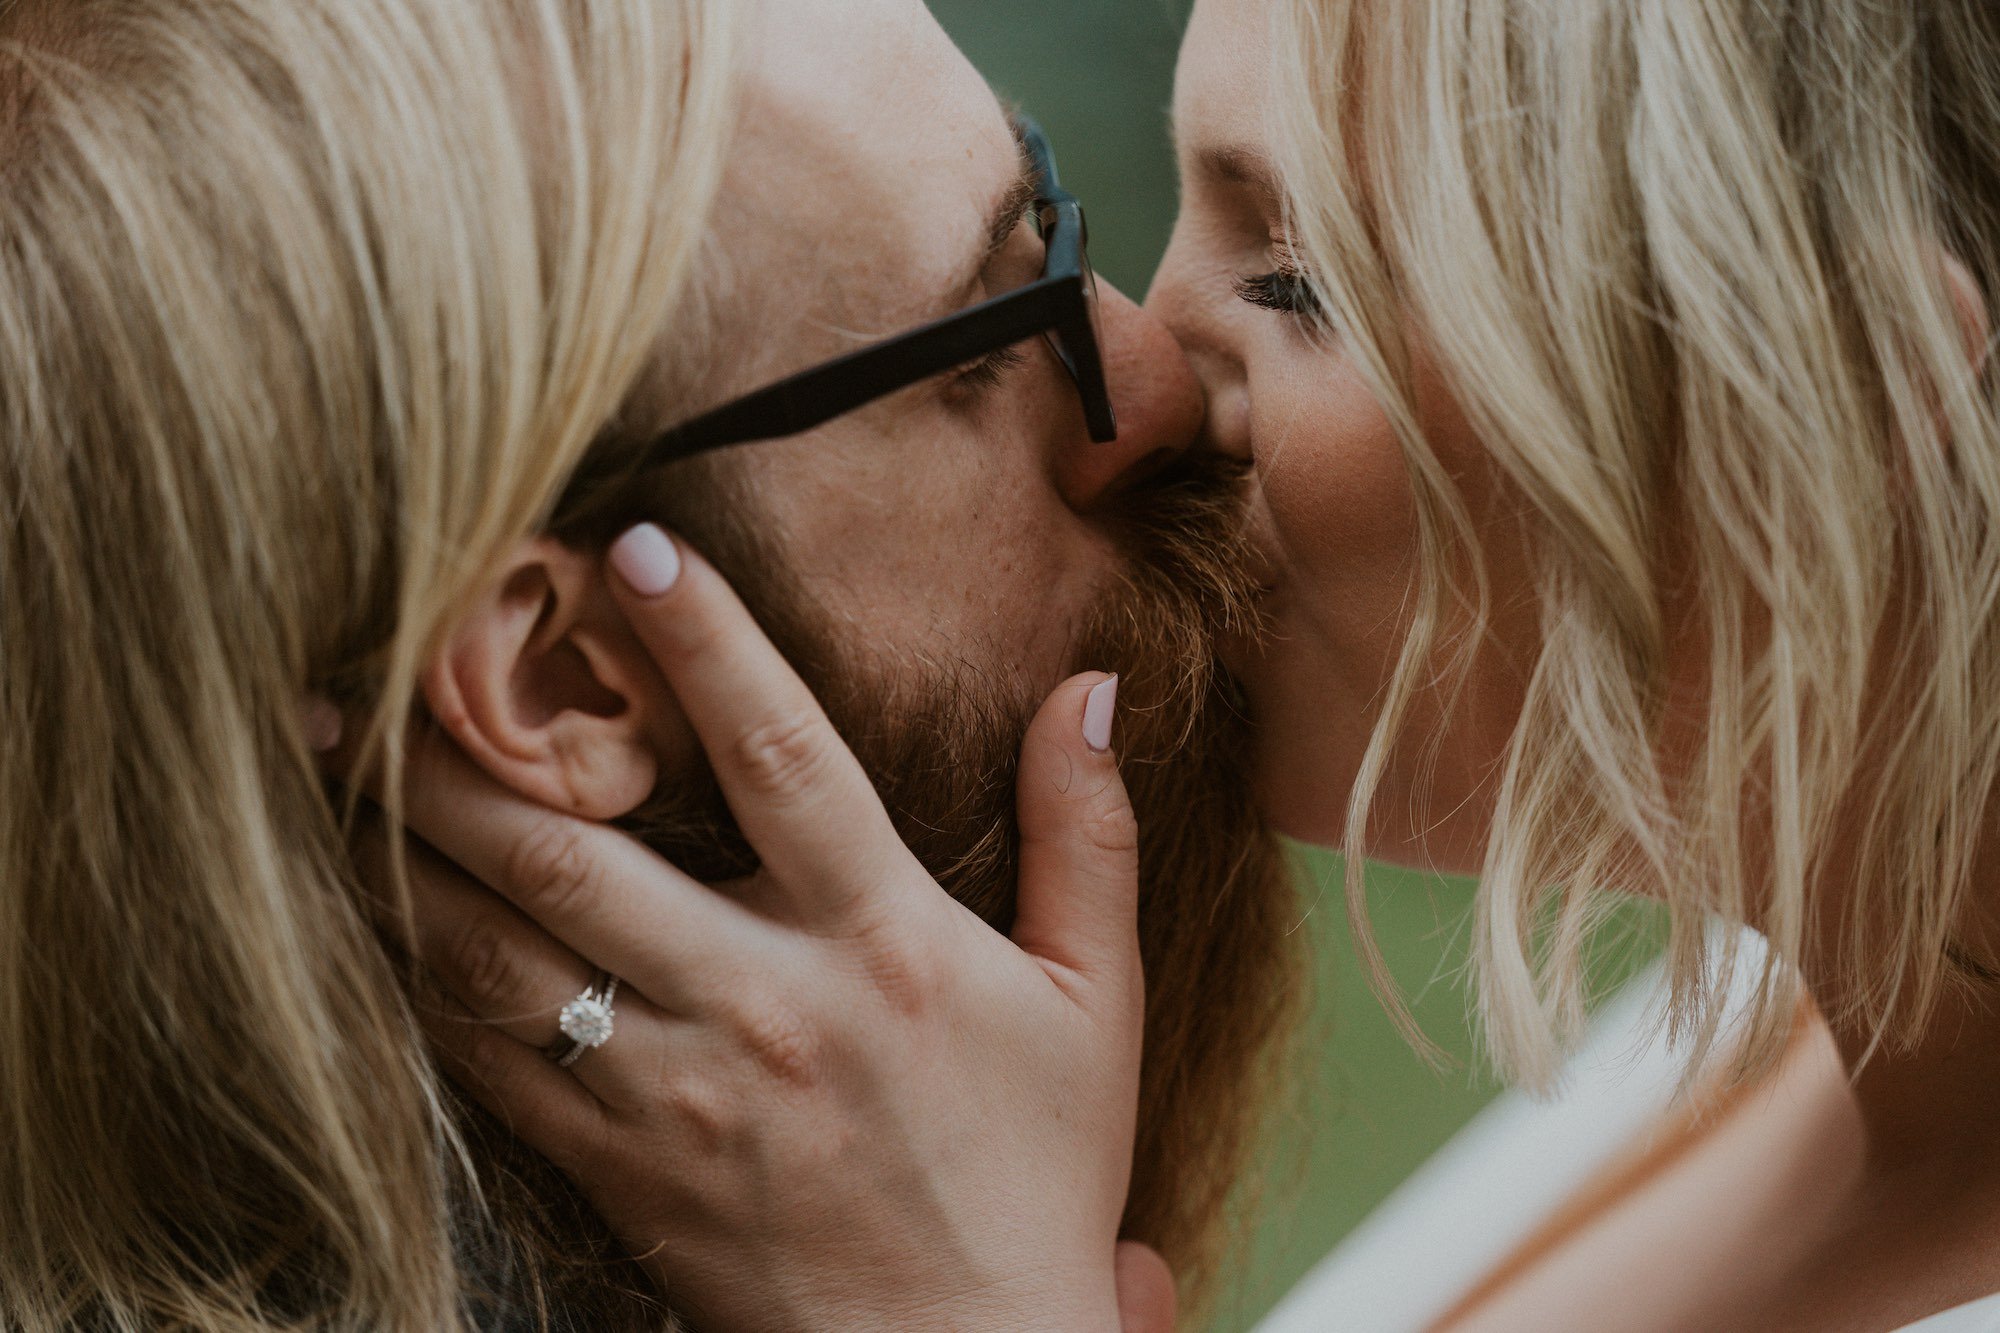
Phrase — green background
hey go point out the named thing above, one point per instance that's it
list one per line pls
(1099, 76)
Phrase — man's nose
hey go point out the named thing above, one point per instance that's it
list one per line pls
(1157, 397)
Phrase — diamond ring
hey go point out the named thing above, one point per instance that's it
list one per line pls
(586, 1021)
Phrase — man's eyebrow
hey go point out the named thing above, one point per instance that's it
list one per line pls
(1005, 218)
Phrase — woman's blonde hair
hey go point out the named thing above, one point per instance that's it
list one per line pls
(307, 311)
(1688, 266)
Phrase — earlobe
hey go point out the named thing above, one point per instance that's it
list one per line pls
(545, 687)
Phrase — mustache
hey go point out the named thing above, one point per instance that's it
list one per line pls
(1188, 582)
(948, 772)
(1188, 525)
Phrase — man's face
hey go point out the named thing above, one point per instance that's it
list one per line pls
(936, 563)
(933, 565)
(966, 520)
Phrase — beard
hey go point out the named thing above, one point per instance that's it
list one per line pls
(1217, 907)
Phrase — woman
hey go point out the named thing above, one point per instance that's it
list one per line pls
(282, 232)
(1619, 384)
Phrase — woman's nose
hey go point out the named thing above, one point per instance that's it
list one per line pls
(1182, 301)
(1158, 400)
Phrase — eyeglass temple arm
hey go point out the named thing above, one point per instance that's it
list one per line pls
(817, 396)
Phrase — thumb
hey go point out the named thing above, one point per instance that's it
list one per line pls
(1146, 1299)
(1079, 839)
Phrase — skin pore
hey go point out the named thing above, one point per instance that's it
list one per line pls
(1888, 1192)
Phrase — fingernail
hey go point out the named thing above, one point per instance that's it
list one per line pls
(322, 722)
(1099, 710)
(647, 559)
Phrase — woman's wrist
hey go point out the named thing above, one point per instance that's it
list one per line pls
(1034, 1298)
(1037, 1307)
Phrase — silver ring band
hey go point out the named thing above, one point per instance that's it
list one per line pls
(586, 1021)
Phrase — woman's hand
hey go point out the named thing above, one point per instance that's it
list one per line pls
(854, 1105)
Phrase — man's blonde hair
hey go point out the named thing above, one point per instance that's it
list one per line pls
(307, 311)
(1685, 264)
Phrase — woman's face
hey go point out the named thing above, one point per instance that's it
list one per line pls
(1333, 504)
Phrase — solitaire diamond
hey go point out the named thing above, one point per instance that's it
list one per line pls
(586, 1020)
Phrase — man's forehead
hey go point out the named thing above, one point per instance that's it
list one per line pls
(870, 154)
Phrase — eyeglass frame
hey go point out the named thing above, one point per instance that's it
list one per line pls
(1060, 306)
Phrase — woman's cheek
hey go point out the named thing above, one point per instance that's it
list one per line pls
(1340, 507)
(1342, 516)
(1337, 502)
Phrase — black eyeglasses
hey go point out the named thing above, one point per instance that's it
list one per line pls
(1061, 306)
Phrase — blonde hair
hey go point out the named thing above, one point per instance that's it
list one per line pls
(307, 311)
(1684, 263)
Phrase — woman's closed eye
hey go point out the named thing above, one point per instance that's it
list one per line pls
(1285, 290)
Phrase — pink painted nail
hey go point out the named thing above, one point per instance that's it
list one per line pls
(1098, 712)
(647, 559)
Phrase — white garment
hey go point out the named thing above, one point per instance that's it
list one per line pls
(1486, 1191)
(1978, 1317)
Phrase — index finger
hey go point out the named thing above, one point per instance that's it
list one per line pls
(609, 899)
(799, 794)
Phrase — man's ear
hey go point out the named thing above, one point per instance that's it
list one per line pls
(546, 687)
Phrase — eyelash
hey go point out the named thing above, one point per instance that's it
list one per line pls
(987, 373)
(1286, 291)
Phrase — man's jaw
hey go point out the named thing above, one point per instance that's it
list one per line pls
(1217, 914)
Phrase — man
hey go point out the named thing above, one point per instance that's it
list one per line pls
(933, 562)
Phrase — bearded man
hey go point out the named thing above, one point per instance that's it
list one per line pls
(936, 528)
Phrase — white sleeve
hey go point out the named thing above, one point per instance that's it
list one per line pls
(1488, 1189)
